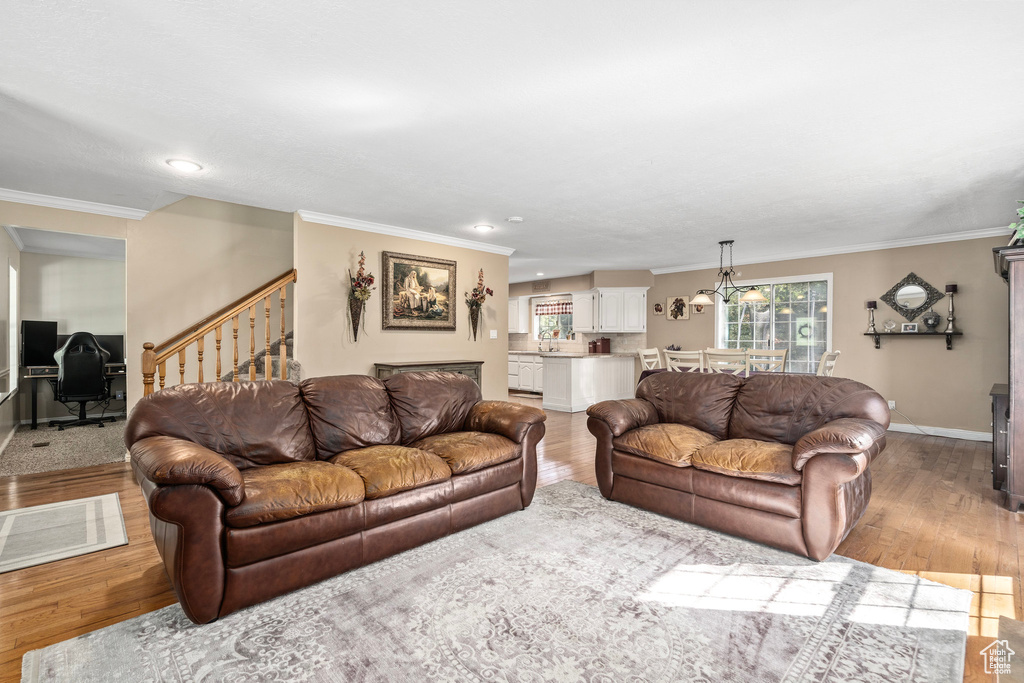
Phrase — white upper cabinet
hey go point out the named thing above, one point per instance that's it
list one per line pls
(622, 309)
(583, 312)
(518, 315)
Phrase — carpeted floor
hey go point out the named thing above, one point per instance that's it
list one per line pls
(74, 447)
(575, 588)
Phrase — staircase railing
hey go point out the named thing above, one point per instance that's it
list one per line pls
(155, 356)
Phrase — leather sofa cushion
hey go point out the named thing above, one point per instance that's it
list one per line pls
(672, 444)
(749, 459)
(387, 470)
(779, 499)
(469, 451)
(348, 412)
(700, 400)
(249, 423)
(277, 492)
(428, 403)
(780, 407)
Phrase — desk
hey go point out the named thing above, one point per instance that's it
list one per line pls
(49, 372)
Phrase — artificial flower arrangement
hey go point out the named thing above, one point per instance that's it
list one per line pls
(359, 294)
(475, 300)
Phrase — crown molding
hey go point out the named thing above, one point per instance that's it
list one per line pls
(83, 206)
(75, 253)
(15, 237)
(395, 231)
(1002, 231)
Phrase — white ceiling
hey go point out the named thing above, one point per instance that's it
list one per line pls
(628, 134)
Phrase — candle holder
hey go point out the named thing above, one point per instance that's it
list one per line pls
(872, 305)
(951, 318)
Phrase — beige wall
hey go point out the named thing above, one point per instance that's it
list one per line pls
(932, 386)
(45, 218)
(558, 285)
(80, 294)
(9, 415)
(323, 257)
(623, 278)
(191, 258)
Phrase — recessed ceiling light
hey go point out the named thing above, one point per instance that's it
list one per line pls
(184, 165)
(514, 219)
(484, 228)
(540, 274)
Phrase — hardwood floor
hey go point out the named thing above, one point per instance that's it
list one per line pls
(932, 511)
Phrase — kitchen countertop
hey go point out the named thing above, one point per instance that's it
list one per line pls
(571, 354)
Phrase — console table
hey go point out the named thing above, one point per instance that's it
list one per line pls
(470, 368)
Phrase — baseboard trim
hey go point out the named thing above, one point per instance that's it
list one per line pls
(10, 435)
(45, 421)
(942, 431)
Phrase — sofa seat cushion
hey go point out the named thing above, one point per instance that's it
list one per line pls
(670, 443)
(749, 459)
(277, 492)
(469, 451)
(387, 470)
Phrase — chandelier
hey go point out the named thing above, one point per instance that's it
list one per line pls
(726, 288)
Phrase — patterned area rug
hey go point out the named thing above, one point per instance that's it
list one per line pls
(575, 588)
(47, 533)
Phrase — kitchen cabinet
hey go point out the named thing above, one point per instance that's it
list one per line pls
(621, 309)
(518, 315)
(576, 382)
(584, 316)
(526, 372)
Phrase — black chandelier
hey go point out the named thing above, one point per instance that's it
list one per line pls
(726, 288)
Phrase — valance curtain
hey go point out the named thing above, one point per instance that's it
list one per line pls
(554, 308)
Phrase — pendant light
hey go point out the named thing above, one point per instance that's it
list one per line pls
(726, 288)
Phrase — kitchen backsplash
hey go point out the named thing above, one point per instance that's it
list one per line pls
(621, 343)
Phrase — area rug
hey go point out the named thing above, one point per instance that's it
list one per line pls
(47, 450)
(575, 588)
(57, 531)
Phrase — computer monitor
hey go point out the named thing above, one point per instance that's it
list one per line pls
(38, 342)
(113, 343)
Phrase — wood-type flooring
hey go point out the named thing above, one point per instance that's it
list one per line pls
(932, 511)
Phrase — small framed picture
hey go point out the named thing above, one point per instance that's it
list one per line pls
(908, 328)
(659, 309)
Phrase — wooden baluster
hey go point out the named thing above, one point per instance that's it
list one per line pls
(200, 343)
(163, 372)
(234, 333)
(148, 368)
(217, 335)
(252, 342)
(267, 359)
(283, 349)
(181, 366)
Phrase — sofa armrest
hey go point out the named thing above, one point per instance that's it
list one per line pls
(623, 415)
(846, 435)
(511, 420)
(167, 460)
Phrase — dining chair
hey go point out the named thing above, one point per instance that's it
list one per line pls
(827, 364)
(733, 361)
(684, 361)
(767, 360)
(650, 359)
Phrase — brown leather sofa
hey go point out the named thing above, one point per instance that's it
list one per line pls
(258, 488)
(777, 458)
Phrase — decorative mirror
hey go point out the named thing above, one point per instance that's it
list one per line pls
(912, 296)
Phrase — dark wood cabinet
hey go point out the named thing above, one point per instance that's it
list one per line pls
(470, 368)
(1009, 263)
(1000, 419)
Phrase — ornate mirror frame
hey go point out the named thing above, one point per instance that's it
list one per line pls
(934, 296)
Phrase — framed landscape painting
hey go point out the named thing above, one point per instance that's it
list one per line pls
(418, 292)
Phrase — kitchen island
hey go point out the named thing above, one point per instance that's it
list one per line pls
(572, 382)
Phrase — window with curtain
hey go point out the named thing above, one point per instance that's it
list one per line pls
(796, 318)
(553, 315)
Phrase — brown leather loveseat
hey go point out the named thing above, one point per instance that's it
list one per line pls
(777, 458)
(258, 488)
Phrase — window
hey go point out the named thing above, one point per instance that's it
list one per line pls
(551, 316)
(796, 318)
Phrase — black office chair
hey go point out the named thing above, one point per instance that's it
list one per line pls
(81, 377)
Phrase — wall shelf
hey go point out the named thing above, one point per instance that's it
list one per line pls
(948, 335)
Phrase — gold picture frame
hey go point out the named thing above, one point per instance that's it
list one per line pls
(418, 292)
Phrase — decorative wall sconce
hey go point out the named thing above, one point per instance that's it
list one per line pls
(872, 305)
(951, 328)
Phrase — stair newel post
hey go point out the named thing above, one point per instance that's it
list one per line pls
(217, 339)
(252, 342)
(267, 360)
(181, 366)
(234, 334)
(284, 348)
(148, 368)
(200, 343)
(163, 373)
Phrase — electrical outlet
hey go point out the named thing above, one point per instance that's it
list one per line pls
(494, 334)
(119, 395)
(892, 405)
